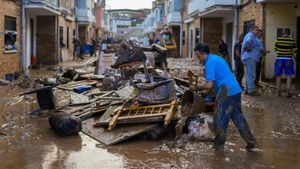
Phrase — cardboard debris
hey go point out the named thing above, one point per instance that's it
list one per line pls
(126, 92)
(78, 98)
(119, 134)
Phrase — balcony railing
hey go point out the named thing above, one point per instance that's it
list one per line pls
(85, 15)
(174, 18)
(53, 3)
(203, 5)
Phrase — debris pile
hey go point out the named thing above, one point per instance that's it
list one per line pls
(119, 96)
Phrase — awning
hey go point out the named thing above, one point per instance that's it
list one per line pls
(39, 9)
(217, 11)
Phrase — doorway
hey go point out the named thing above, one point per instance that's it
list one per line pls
(191, 42)
(229, 34)
(298, 53)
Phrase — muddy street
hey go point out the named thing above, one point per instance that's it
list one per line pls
(28, 142)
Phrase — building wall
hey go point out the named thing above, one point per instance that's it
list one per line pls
(249, 12)
(278, 16)
(212, 32)
(72, 27)
(194, 25)
(46, 40)
(226, 20)
(10, 63)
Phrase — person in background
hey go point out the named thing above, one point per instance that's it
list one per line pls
(151, 38)
(100, 46)
(81, 50)
(219, 76)
(61, 42)
(76, 50)
(94, 47)
(223, 50)
(251, 53)
(239, 66)
(264, 52)
(286, 48)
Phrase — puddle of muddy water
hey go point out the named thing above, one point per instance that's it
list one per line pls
(29, 143)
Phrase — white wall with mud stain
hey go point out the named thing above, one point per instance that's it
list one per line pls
(278, 16)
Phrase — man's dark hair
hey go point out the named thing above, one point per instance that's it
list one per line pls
(202, 48)
(254, 27)
(287, 31)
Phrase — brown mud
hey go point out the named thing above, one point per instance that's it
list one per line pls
(29, 143)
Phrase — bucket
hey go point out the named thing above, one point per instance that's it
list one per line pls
(33, 60)
(9, 77)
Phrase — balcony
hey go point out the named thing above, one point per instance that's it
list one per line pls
(67, 6)
(193, 7)
(85, 16)
(211, 3)
(174, 18)
(43, 7)
(54, 3)
(217, 8)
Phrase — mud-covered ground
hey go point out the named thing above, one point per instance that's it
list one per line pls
(27, 142)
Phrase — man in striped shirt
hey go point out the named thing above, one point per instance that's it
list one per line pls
(285, 48)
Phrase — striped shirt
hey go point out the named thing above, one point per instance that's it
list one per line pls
(285, 47)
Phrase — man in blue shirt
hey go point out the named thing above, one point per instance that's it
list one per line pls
(251, 53)
(219, 76)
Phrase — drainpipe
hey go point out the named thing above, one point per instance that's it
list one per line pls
(235, 31)
(23, 57)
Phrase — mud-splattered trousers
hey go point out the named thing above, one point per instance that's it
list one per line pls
(229, 107)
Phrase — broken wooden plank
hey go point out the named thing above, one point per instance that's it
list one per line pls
(141, 116)
(92, 113)
(170, 114)
(72, 85)
(113, 121)
(106, 117)
(119, 134)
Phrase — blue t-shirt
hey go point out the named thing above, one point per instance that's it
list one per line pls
(218, 71)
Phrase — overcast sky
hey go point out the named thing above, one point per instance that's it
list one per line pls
(128, 4)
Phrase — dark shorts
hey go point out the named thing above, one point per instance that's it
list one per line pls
(286, 65)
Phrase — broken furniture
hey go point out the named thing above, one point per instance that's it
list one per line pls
(45, 99)
(160, 90)
(130, 58)
(144, 114)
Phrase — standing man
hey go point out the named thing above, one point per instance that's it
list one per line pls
(219, 76)
(251, 53)
(94, 46)
(239, 66)
(258, 67)
(285, 48)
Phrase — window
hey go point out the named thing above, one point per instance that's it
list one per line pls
(10, 30)
(68, 37)
(183, 38)
(197, 36)
(61, 37)
(248, 26)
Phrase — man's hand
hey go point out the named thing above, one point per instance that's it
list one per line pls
(196, 88)
(248, 49)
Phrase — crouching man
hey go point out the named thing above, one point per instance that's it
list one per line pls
(219, 76)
